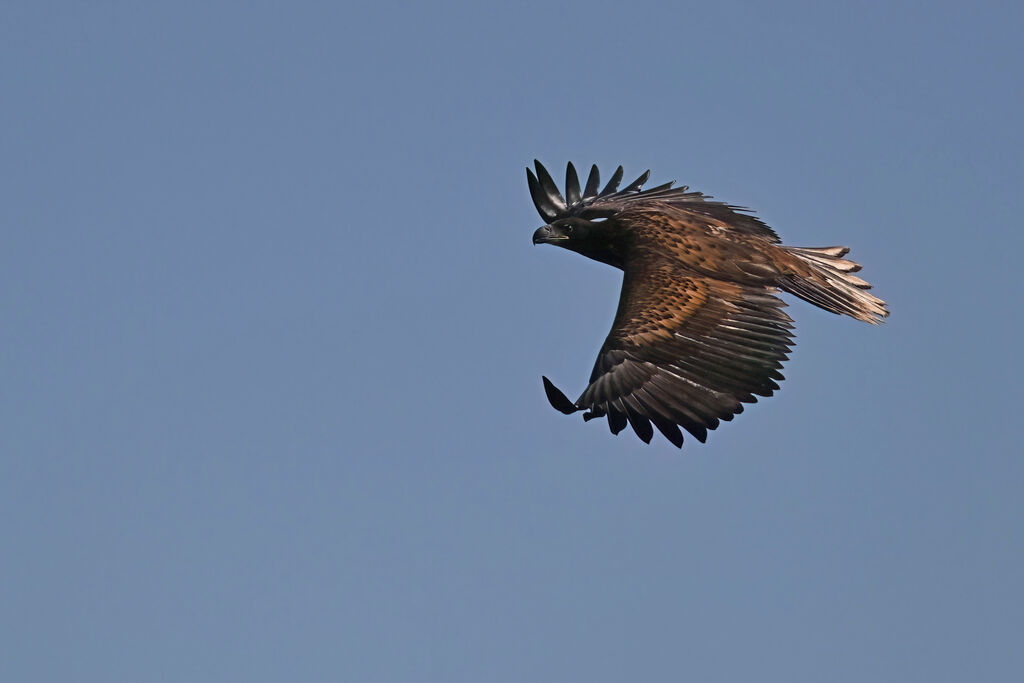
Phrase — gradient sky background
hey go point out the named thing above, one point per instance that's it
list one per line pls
(273, 331)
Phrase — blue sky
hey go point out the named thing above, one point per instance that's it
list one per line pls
(274, 330)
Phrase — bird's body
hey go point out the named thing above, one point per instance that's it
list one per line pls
(698, 330)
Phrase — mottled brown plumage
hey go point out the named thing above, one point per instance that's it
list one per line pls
(699, 330)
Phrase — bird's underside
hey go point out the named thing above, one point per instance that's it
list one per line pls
(699, 330)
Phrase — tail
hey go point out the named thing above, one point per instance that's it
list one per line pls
(827, 281)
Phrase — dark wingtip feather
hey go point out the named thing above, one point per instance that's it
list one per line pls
(531, 181)
(593, 182)
(547, 184)
(666, 186)
(540, 198)
(642, 426)
(616, 421)
(699, 432)
(613, 184)
(637, 184)
(557, 399)
(670, 430)
(572, 185)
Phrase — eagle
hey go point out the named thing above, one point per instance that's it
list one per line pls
(699, 329)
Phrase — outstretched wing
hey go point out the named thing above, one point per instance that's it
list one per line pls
(684, 351)
(592, 203)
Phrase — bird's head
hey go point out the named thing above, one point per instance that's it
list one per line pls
(586, 220)
(594, 239)
(569, 231)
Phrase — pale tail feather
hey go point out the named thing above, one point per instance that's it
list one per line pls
(833, 286)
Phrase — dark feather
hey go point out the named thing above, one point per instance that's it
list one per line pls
(547, 185)
(669, 430)
(572, 185)
(616, 421)
(557, 399)
(545, 208)
(641, 425)
(613, 184)
(593, 182)
(638, 183)
(536, 195)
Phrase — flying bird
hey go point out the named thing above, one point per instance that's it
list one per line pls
(699, 329)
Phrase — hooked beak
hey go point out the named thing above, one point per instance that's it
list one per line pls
(547, 234)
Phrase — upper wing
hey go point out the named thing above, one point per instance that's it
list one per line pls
(591, 203)
(684, 351)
